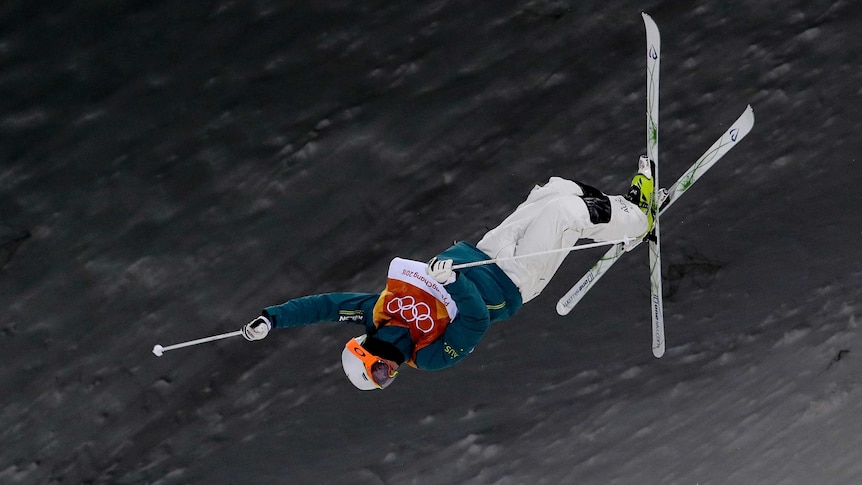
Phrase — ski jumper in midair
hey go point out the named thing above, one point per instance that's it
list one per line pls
(430, 317)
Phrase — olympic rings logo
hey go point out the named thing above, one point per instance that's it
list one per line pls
(419, 314)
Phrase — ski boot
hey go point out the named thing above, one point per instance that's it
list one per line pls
(642, 189)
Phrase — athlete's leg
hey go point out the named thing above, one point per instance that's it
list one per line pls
(552, 217)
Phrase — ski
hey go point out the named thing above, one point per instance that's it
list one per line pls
(737, 131)
(653, 61)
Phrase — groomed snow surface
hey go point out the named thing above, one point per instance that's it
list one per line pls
(170, 168)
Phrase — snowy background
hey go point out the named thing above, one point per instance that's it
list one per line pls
(169, 168)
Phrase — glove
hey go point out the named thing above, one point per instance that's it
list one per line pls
(256, 329)
(440, 270)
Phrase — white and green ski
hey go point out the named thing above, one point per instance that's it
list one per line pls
(740, 128)
(653, 61)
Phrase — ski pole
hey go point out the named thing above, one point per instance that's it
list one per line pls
(542, 253)
(159, 350)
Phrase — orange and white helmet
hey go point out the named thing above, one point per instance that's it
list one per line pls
(365, 370)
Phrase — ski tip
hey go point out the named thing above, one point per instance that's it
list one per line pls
(648, 20)
(744, 124)
(658, 352)
(652, 30)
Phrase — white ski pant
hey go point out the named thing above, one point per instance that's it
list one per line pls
(554, 216)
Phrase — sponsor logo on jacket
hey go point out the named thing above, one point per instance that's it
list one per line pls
(351, 316)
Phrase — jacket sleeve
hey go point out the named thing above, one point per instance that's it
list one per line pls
(463, 333)
(327, 307)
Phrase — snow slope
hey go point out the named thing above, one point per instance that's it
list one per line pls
(169, 168)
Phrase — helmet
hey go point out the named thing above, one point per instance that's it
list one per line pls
(365, 370)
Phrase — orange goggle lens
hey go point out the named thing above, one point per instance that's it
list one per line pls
(381, 371)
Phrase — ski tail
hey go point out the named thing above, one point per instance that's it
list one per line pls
(656, 300)
(573, 296)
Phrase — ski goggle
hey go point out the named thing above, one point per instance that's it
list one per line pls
(381, 371)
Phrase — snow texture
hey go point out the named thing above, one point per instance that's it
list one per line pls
(170, 168)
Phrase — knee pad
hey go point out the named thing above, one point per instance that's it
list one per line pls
(598, 204)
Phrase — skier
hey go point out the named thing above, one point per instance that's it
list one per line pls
(431, 317)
